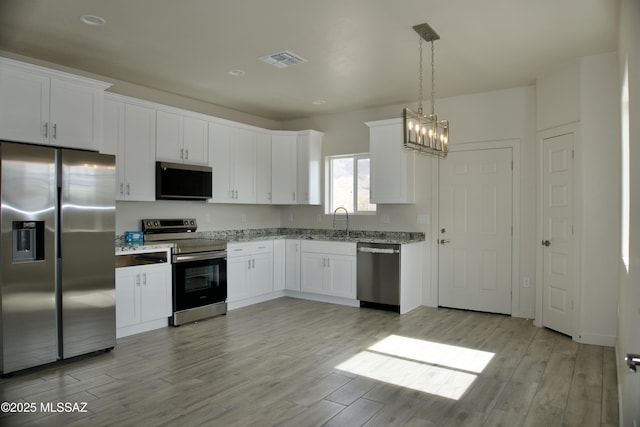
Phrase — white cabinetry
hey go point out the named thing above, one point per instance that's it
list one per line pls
(249, 270)
(279, 264)
(296, 159)
(130, 133)
(233, 159)
(328, 268)
(309, 157)
(181, 138)
(44, 106)
(292, 265)
(392, 167)
(284, 168)
(143, 298)
(263, 168)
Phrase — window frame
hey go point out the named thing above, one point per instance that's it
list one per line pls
(329, 209)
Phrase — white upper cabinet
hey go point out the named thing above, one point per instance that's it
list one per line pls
(130, 133)
(243, 163)
(44, 106)
(392, 167)
(181, 139)
(233, 160)
(263, 168)
(309, 165)
(284, 168)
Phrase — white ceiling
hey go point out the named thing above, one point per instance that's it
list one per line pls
(361, 53)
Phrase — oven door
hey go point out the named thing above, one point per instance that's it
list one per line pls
(199, 280)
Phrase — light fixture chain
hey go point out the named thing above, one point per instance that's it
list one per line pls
(421, 95)
(433, 80)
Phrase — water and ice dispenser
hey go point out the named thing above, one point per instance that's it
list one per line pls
(28, 241)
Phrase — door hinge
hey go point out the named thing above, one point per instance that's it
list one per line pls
(572, 154)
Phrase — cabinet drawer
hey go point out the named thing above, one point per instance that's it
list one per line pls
(327, 247)
(249, 248)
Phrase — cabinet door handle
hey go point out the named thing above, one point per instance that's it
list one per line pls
(186, 156)
(46, 129)
(55, 130)
(253, 263)
(144, 279)
(122, 189)
(128, 189)
(269, 195)
(248, 264)
(137, 280)
(294, 196)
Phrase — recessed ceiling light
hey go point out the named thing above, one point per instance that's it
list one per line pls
(318, 102)
(236, 72)
(93, 20)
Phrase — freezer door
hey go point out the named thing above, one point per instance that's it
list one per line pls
(27, 252)
(87, 252)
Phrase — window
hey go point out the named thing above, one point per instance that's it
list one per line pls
(348, 184)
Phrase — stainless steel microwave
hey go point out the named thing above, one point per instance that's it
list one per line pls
(176, 181)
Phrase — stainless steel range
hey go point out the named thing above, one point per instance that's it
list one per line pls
(199, 269)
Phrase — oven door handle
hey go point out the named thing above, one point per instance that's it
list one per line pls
(199, 256)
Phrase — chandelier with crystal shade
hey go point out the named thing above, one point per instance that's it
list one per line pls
(424, 132)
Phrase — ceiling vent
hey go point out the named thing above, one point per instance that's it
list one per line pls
(282, 59)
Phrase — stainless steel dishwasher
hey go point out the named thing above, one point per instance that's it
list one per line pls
(378, 276)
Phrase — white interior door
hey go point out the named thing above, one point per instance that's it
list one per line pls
(475, 222)
(557, 229)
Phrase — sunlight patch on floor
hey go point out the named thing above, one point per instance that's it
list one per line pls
(434, 368)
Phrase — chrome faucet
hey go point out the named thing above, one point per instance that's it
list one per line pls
(347, 219)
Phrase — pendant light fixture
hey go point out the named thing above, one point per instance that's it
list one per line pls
(424, 132)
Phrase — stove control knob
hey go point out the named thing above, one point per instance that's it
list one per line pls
(156, 223)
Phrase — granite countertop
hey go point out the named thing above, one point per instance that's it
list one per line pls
(123, 247)
(393, 237)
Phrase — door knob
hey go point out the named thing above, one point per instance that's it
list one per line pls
(633, 360)
(546, 243)
(444, 241)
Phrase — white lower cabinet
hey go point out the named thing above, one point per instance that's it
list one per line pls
(292, 265)
(143, 298)
(328, 268)
(249, 270)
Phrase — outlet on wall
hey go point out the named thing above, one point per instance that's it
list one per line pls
(243, 217)
(319, 217)
(290, 217)
(386, 219)
(526, 282)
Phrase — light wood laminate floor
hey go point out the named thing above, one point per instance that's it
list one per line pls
(296, 363)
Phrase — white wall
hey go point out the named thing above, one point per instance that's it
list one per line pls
(500, 115)
(583, 92)
(629, 290)
(558, 96)
(600, 185)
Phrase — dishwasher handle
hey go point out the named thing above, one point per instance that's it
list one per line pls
(371, 250)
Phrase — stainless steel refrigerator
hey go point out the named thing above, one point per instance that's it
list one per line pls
(57, 276)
